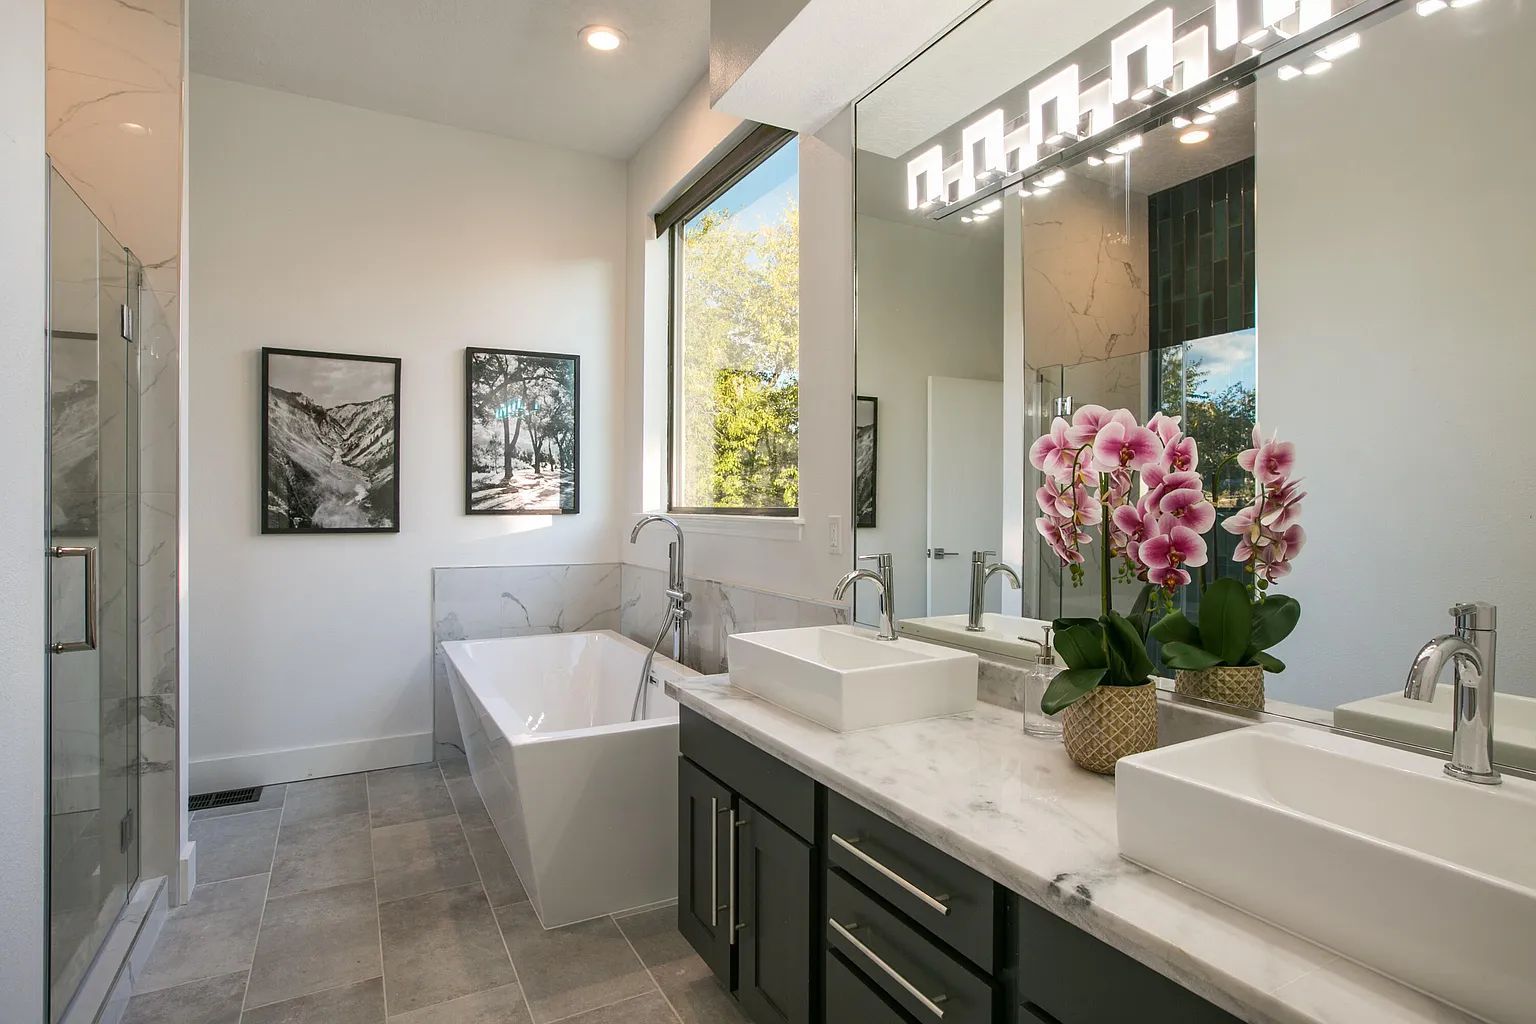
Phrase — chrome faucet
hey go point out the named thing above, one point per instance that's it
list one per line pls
(981, 572)
(884, 578)
(677, 614)
(1471, 651)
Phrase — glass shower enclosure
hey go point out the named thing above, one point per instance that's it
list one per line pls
(92, 555)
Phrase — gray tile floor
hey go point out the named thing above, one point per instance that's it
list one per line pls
(362, 898)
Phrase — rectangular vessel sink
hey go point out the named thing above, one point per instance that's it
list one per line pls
(1428, 723)
(845, 679)
(1000, 634)
(1370, 851)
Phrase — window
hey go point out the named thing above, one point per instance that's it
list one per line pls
(735, 359)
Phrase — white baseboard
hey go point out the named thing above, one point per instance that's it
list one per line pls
(270, 767)
(186, 879)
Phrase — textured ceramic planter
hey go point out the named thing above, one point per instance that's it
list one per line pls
(1110, 723)
(1241, 686)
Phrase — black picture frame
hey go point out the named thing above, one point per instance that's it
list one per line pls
(866, 458)
(272, 521)
(507, 502)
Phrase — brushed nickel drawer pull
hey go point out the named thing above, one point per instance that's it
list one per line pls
(714, 862)
(935, 902)
(931, 1005)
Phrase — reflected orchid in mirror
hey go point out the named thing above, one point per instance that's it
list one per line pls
(1269, 529)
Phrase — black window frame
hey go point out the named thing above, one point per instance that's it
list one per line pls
(756, 147)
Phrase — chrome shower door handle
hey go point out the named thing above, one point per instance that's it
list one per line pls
(89, 555)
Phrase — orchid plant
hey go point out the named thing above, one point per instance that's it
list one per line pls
(1091, 467)
(1240, 621)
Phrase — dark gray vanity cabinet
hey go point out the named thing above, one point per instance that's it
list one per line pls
(747, 893)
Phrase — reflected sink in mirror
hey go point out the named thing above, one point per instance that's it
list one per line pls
(1370, 851)
(1394, 717)
(1007, 635)
(843, 678)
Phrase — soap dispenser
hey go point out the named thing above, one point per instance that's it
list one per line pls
(1036, 681)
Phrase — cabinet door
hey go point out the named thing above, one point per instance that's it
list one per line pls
(774, 906)
(703, 870)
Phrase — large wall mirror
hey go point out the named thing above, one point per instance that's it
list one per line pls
(1312, 217)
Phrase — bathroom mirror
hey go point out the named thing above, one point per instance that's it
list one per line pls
(1318, 222)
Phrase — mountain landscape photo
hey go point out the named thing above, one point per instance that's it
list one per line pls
(331, 452)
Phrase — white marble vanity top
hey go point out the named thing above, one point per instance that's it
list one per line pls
(1016, 809)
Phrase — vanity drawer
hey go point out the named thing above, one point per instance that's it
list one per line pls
(770, 784)
(1065, 974)
(958, 904)
(917, 974)
(850, 998)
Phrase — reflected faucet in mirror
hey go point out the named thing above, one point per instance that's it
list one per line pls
(1470, 650)
(884, 578)
(981, 572)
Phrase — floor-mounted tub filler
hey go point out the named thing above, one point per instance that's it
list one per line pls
(584, 799)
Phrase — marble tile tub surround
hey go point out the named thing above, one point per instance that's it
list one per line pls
(1016, 809)
(483, 602)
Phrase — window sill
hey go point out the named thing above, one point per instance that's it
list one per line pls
(778, 528)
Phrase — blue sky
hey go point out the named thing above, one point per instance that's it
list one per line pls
(1228, 359)
(760, 197)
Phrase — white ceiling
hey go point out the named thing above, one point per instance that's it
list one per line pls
(509, 67)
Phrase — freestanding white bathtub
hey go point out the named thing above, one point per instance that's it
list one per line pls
(584, 800)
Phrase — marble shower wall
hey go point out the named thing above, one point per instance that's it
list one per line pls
(719, 609)
(114, 120)
(483, 602)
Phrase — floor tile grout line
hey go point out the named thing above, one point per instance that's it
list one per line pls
(606, 1006)
(522, 989)
(250, 968)
(378, 907)
(647, 969)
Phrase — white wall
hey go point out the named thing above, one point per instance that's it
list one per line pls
(930, 304)
(1402, 364)
(23, 590)
(782, 559)
(315, 225)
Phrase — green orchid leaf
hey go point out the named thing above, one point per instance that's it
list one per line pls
(1141, 610)
(1267, 661)
(1125, 640)
(1273, 619)
(1082, 645)
(1069, 687)
(1176, 627)
(1226, 619)
(1188, 657)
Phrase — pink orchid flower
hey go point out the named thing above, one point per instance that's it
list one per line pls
(1086, 424)
(1270, 462)
(1169, 578)
(1189, 508)
(1179, 546)
(1135, 524)
(1165, 427)
(1051, 453)
(1181, 455)
(1119, 446)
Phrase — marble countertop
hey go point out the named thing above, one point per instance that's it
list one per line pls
(1016, 809)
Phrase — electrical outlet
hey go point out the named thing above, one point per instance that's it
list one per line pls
(834, 535)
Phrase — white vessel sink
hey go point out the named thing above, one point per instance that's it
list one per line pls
(1371, 851)
(845, 679)
(1000, 634)
(1428, 723)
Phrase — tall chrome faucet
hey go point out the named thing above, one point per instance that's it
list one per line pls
(981, 572)
(1470, 650)
(885, 580)
(677, 614)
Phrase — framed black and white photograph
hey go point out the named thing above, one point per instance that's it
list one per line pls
(866, 427)
(522, 433)
(330, 442)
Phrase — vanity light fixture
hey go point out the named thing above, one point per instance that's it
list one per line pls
(1181, 121)
(1194, 136)
(1289, 72)
(1339, 47)
(1427, 7)
(1126, 145)
(1204, 118)
(1094, 161)
(1318, 67)
(1051, 180)
(1113, 158)
(1458, 4)
(1219, 103)
(601, 37)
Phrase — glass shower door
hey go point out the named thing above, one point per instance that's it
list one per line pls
(93, 587)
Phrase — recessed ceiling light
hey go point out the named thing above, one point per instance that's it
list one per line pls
(601, 37)
(1462, 3)
(980, 217)
(1289, 72)
(1113, 158)
(1041, 190)
(1428, 7)
(1181, 121)
(134, 128)
(965, 220)
(1094, 161)
(1318, 67)
(1194, 136)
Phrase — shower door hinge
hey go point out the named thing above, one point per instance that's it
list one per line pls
(1064, 405)
(125, 832)
(128, 324)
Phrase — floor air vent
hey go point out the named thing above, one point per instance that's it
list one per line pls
(228, 798)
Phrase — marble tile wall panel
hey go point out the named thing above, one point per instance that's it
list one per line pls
(719, 609)
(480, 602)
